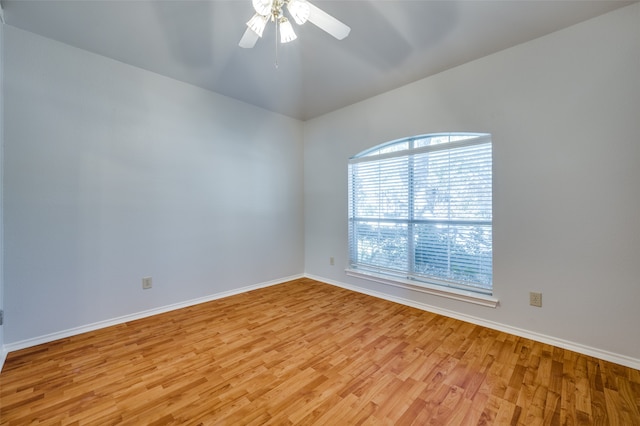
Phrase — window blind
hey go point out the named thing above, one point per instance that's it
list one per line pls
(421, 209)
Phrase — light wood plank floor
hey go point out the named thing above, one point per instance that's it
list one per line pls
(304, 352)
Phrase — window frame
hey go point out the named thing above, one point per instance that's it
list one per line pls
(406, 148)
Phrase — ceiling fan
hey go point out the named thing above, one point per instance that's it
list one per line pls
(300, 10)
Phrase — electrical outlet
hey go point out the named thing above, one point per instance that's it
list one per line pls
(147, 283)
(331, 261)
(535, 299)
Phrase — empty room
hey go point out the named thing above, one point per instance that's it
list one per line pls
(329, 212)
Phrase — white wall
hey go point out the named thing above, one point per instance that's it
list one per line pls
(113, 173)
(563, 112)
(2, 351)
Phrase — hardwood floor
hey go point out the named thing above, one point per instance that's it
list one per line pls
(304, 352)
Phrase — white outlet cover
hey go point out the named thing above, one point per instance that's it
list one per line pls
(147, 283)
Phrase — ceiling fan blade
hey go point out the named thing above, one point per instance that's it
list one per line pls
(249, 39)
(327, 22)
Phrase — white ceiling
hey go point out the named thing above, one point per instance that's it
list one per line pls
(392, 42)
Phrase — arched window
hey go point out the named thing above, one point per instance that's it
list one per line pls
(420, 209)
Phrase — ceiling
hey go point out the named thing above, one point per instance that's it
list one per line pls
(392, 42)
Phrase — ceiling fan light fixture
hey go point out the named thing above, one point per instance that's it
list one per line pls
(263, 7)
(299, 10)
(286, 31)
(257, 23)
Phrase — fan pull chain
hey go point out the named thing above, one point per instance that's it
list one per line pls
(277, 30)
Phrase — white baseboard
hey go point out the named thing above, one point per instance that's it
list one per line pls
(561, 343)
(3, 357)
(22, 344)
(538, 337)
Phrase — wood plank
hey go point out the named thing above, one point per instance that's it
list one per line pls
(305, 352)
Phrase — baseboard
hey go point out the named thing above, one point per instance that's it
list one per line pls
(132, 317)
(538, 337)
(561, 343)
(3, 357)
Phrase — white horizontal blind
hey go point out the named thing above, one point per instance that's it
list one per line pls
(424, 211)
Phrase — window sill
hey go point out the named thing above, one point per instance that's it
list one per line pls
(450, 293)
